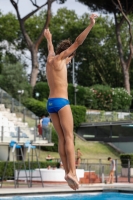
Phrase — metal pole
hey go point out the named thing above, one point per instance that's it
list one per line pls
(103, 181)
(100, 161)
(18, 134)
(116, 171)
(75, 100)
(2, 133)
(73, 72)
(34, 134)
(12, 106)
(0, 96)
(89, 174)
(23, 114)
(128, 170)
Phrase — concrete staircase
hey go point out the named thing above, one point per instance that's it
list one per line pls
(90, 177)
(9, 122)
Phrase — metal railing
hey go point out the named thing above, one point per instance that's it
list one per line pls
(23, 134)
(123, 173)
(25, 121)
(18, 108)
(114, 116)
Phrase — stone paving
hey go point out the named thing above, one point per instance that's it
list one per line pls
(50, 189)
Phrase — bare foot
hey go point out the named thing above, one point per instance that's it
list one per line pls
(70, 183)
(73, 179)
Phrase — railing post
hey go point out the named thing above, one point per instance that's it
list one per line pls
(18, 134)
(24, 115)
(103, 181)
(128, 170)
(12, 105)
(116, 178)
(2, 133)
(89, 173)
(100, 161)
(0, 95)
(50, 134)
(35, 133)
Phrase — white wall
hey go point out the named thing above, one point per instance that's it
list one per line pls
(3, 153)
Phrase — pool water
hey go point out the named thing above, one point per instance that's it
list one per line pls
(88, 196)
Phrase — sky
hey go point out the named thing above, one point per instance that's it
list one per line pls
(25, 6)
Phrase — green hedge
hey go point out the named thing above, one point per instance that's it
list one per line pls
(34, 165)
(100, 97)
(110, 99)
(36, 106)
(124, 160)
(43, 89)
(39, 108)
(79, 115)
(132, 99)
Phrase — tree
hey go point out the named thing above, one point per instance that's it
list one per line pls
(33, 46)
(9, 35)
(97, 59)
(121, 10)
(13, 78)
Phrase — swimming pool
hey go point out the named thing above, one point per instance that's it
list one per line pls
(88, 196)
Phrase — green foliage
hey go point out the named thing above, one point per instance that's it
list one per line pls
(109, 99)
(71, 93)
(10, 171)
(14, 78)
(90, 98)
(132, 99)
(80, 92)
(103, 95)
(36, 106)
(124, 160)
(43, 89)
(11, 30)
(79, 115)
(121, 99)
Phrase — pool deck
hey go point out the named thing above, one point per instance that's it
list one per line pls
(52, 189)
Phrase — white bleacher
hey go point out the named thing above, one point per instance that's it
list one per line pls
(9, 122)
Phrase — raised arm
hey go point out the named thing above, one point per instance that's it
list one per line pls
(48, 36)
(80, 39)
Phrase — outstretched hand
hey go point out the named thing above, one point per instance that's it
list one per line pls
(92, 18)
(47, 34)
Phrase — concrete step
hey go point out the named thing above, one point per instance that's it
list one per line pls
(90, 177)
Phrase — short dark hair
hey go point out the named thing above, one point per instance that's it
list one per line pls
(109, 158)
(63, 45)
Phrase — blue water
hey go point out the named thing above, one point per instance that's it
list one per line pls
(89, 196)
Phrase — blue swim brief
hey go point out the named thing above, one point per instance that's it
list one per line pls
(55, 104)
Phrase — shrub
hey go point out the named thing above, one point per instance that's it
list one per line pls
(80, 94)
(132, 99)
(124, 160)
(10, 170)
(121, 99)
(107, 98)
(43, 89)
(79, 115)
(103, 96)
(90, 100)
(37, 107)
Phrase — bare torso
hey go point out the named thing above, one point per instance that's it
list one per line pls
(56, 72)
